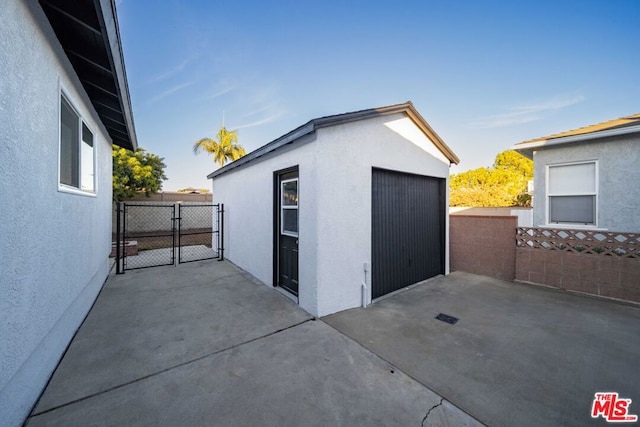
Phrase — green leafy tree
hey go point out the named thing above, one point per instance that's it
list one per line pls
(135, 172)
(503, 184)
(225, 148)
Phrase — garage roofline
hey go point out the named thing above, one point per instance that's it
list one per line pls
(313, 125)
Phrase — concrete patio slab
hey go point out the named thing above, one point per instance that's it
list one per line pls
(206, 344)
(307, 375)
(151, 320)
(519, 355)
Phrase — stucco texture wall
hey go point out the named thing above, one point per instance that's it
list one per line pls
(334, 208)
(247, 195)
(54, 245)
(618, 174)
(348, 154)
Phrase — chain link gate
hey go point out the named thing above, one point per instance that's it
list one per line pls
(148, 235)
(198, 229)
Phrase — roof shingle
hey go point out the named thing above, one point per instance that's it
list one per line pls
(621, 122)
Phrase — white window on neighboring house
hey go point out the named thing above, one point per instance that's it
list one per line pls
(572, 193)
(77, 152)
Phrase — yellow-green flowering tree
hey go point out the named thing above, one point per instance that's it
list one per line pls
(503, 184)
(135, 172)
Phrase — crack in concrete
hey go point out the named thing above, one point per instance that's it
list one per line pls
(431, 409)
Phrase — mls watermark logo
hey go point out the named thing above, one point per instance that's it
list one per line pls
(612, 408)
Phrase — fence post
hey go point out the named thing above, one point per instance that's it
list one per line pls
(221, 233)
(175, 229)
(118, 270)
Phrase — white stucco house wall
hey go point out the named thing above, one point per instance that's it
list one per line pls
(64, 100)
(341, 210)
(588, 177)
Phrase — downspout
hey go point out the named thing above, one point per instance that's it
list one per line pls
(365, 296)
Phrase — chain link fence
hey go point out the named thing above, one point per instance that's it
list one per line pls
(151, 235)
(198, 232)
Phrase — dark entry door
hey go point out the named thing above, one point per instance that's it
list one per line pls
(407, 229)
(287, 230)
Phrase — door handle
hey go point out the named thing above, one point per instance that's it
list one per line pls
(296, 241)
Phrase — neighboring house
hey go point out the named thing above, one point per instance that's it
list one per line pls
(64, 102)
(342, 210)
(588, 177)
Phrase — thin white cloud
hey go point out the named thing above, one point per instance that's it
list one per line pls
(176, 69)
(554, 104)
(221, 92)
(526, 113)
(503, 120)
(260, 105)
(259, 110)
(259, 122)
(169, 92)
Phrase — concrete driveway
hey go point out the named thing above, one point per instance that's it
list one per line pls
(519, 355)
(204, 344)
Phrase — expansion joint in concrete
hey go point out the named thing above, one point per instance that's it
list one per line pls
(170, 368)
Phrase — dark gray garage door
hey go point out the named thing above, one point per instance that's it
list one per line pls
(408, 233)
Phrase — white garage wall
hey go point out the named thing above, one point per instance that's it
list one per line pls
(247, 194)
(54, 245)
(344, 198)
(335, 205)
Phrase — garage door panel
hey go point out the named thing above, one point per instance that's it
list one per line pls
(407, 229)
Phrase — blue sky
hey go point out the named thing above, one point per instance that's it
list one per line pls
(484, 74)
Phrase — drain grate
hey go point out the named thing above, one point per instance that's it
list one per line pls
(447, 319)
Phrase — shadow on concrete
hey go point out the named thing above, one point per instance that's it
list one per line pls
(206, 344)
(519, 355)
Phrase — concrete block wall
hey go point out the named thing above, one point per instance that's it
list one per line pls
(486, 245)
(524, 214)
(173, 196)
(483, 245)
(608, 276)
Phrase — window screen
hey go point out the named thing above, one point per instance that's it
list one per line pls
(68, 145)
(86, 155)
(572, 179)
(289, 207)
(290, 221)
(77, 151)
(572, 193)
(574, 209)
(290, 193)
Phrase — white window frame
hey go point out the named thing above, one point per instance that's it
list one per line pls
(549, 196)
(289, 207)
(65, 188)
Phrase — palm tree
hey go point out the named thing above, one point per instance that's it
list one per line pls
(224, 149)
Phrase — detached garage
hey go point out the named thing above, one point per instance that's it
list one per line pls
(342, 210)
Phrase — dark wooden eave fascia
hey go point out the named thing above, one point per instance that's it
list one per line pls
(88, 32)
